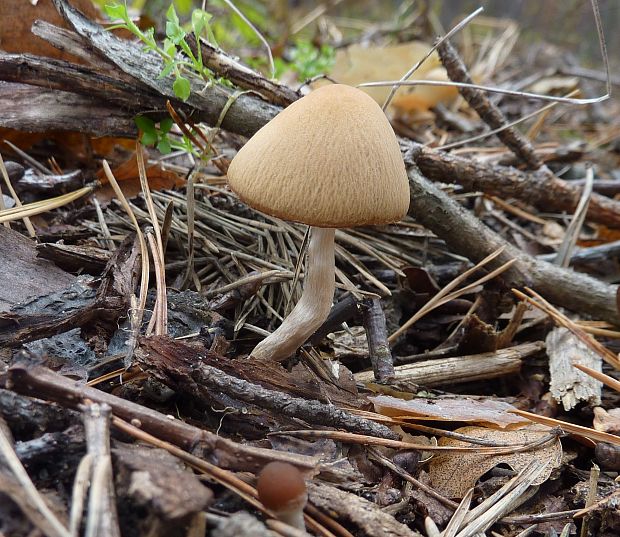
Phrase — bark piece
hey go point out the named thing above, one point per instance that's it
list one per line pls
(157, 485)
(23, 274)
(183, 369)
(568, 385)
(368, 517)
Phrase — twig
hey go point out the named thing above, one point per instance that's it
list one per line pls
(102, 520)
(537, 188)
(459, 369)
(378, 344)
(489, 113)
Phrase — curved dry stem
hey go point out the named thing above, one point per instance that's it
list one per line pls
(314, 305)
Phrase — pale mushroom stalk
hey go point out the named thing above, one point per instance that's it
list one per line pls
(330, 160)
(313, 306)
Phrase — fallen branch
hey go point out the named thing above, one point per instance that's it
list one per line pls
(466, 235)
(38, 381)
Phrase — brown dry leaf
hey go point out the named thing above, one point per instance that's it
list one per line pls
(484, 412)
(453, 474)
(607, 421)
(128, 178)
(18, 16)
(357, 64)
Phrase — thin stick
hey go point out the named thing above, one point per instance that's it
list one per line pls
(571, 428)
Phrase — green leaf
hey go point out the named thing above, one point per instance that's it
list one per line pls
(164, 146)
(200, 21)
(170, 47)
(165, 125)
(117, 11)
(166, 70)
(181, 88)
(145, 124)
(174, 32)
(148, 138)
(171, 15)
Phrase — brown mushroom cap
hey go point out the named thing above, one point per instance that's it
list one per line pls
(281, 487)
(330, 159)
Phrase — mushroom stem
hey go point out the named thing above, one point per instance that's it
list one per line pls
(313, 306)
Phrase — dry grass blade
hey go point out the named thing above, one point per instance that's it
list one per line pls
(365, 440)
(574, 228)
(502, 502)
(160, 313)
(14, 195)
(445, 295)
(459, 515)
(38, 207)
(601, 377)
(137, 312)
(34, 506)
(513, 93)
(571, 428)
(260, 36)
(536, 300)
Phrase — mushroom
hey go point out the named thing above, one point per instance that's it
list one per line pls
(329, 160)
(281, 489)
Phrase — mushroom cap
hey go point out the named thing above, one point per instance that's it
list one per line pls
(281, 487)
(330, 159)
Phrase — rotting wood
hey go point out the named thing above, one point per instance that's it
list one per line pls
(567, 384)
(458, 369)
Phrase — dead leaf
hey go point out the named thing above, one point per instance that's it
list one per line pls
(453, 474)
(484, 412)
(357, 64)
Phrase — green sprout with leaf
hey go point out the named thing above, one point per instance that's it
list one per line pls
(183, 63)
